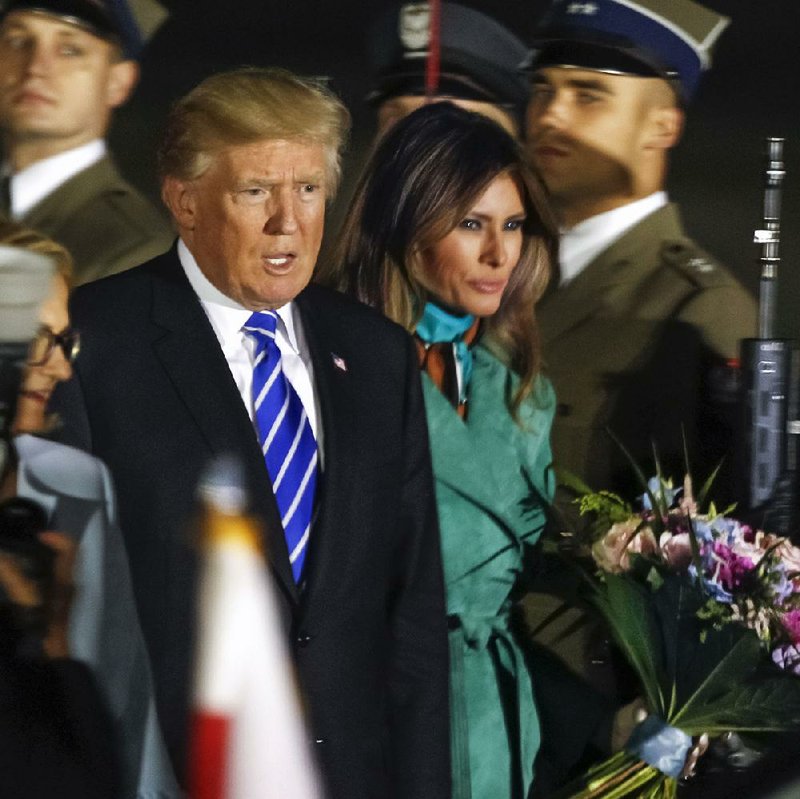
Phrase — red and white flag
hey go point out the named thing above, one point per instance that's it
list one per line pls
(249, 739)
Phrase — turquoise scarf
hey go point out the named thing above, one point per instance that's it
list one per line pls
(440, 326)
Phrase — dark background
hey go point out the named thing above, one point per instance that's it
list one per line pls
(717, 171)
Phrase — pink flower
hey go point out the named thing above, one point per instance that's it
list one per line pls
(791, 622)
(612, 552)
(752, 550)
(676, 550)
(727, 568)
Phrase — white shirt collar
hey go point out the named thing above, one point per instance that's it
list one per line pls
(583, 242)
(226, 315)
(32, 184)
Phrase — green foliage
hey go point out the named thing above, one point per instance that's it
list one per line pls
(769, 704)
(626, 606)
(604, 508)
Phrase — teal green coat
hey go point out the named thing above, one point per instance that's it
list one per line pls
(493, 479)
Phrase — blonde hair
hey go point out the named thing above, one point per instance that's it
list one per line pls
(13, 234)
(248, 105)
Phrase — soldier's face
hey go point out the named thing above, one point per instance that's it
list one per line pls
(396, 108)
(591, 135)
(254, 219)
(57, 81)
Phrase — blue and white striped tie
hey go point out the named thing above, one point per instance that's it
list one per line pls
(286, 438)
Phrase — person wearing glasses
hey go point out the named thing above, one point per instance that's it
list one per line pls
(94, 616)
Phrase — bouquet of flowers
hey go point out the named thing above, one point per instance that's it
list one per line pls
(707, 612)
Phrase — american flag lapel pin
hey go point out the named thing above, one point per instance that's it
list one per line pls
(338, 362)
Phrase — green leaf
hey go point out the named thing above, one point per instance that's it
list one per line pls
(658, 524)
(627, 608)
(740, 661)
(703, 493)
(654, 578)
(768, 705)
(568, 479)
(693, 545)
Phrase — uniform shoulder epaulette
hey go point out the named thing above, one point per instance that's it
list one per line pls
(694, 264)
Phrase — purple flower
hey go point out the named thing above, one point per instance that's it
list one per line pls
(787, 657)
(791, 622)
(727, 568)
(782, 587)
(702, 529)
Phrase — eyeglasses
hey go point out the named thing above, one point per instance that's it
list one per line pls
(46, 341)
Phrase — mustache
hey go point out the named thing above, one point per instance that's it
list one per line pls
(559, 141)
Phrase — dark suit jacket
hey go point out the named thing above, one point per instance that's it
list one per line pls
(106, 224)
(154, 398)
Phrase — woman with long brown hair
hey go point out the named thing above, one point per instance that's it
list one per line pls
(449, 234)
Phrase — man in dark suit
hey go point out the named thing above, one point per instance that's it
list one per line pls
(64, 66)
(169, 377)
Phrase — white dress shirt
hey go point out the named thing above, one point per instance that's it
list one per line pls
(582, 243)
(35, 182)
(227, 318)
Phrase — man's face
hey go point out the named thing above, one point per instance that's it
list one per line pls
(588, 133)
(254, 219)
(395, 108)
(57, 82)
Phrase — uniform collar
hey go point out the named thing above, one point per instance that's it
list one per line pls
(32, 184)
(583, 242)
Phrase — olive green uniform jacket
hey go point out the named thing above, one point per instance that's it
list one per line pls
(493, 485)
(106, 225)
(639, 343)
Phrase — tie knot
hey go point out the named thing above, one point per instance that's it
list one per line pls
(262, 325)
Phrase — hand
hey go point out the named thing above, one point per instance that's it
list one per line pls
(27, 594)
(635, 712)
(625, 719)
(55, 641)
(700, 744)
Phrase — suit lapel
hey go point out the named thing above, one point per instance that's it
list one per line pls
(190, 354)
(337, 387)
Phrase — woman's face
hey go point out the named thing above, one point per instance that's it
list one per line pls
(468, 271)
(39, 381)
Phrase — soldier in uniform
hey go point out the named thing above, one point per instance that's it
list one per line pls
(642, 331)
(641, 328)
(479, 64)
(64, 66)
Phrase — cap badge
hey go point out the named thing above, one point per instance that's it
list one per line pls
(582, 8)
(414, 25)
